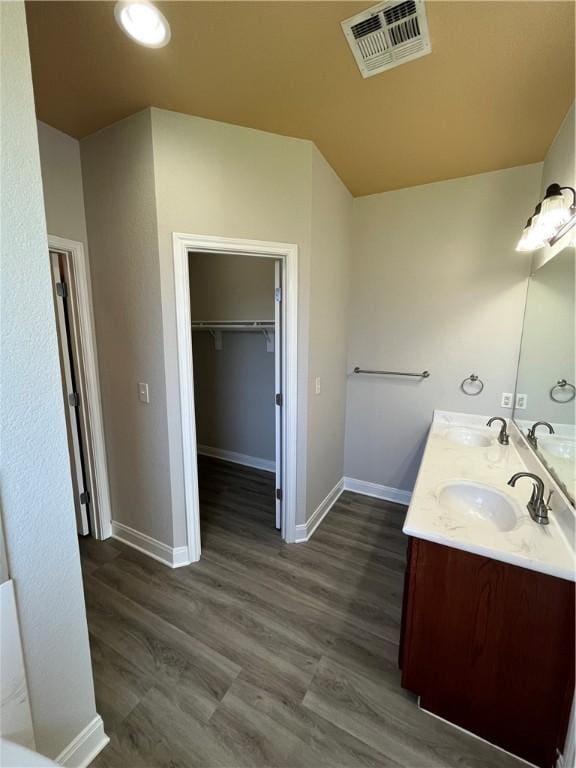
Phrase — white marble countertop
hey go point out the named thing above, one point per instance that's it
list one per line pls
(542, 548)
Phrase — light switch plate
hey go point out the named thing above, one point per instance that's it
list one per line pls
(521, 401)
(318, 385)
(143, 394)
(507, 400)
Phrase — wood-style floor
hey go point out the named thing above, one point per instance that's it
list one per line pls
(262, 654)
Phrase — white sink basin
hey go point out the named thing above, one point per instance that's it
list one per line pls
(468, 499)
(561, 449)
(474, 438)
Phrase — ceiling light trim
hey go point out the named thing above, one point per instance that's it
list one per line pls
(143, 23)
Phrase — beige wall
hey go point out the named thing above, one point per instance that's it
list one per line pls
(37, 505)
(214, 179)
(559, 167)
(234, 394)
(119, 191)
(62, 184)
(329, 299)
(436, 284)
(228, 287)
(219, 179)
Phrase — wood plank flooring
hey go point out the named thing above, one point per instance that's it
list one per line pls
(262, 654)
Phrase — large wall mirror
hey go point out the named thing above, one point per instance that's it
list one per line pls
(545, 393)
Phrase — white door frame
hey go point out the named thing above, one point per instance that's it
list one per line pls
(183, 244)
(81, 277)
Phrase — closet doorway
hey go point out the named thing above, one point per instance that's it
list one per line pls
(236, 319)
(236, 350)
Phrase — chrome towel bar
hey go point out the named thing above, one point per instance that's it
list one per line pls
(423, 375)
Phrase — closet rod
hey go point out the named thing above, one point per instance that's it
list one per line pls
(232, 325)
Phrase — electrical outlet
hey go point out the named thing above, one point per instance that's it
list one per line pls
(143, 394)
(521, 402)
(507, 400)
(317, 384)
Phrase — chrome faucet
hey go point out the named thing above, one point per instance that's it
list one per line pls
(537, 507)
(503, 437)
(531, 436)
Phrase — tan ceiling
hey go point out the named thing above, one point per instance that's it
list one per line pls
(492, 93)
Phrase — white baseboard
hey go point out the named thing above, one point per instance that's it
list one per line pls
(83, 748)
(305, 531)
(237, 458)
(395, 495)
(174, 557)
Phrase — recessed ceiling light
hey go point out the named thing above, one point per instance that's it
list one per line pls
(143, 22)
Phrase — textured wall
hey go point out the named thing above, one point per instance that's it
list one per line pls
(229, 287)
(121, 216)
(219, 179)
(62, 184)
(329, 299)
(234, 394)
(37, 507)
(436, 284)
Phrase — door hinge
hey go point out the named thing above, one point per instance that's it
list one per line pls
(74, 399)
(85, 497)
(279, 399)
(278, 294)
(279, 494)
(62, 290)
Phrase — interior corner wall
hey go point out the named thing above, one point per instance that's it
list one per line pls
(37, 504)
(118, 175)
(218, 179)
(560, 168)
(62, 184)
(436, 285)
(331, 246)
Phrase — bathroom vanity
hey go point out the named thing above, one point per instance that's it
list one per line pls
(488, 617)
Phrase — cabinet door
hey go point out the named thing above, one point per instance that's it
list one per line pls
(490, 647)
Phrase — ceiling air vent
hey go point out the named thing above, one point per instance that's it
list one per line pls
(387, 35)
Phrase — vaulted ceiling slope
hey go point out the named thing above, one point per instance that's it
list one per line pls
(492, 93)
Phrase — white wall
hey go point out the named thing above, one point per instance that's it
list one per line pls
(38, 511)
(117, 167)
(559, 167)
(62, 184)
(437, 285)
(329, 299)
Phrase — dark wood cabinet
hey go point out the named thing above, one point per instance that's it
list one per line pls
(490, 647)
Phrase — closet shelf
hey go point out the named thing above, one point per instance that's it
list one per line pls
(232, 325)
(215, 328)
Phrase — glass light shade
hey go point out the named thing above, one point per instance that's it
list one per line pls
(533, 236)
(144, 23)
(555, 212)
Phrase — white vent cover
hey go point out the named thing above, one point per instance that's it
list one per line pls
(387, 35)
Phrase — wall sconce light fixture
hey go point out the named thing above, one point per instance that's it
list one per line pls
(551, 220)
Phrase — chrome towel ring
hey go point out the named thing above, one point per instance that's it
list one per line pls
(563, 386)
(472, 381)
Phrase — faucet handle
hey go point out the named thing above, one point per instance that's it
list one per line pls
(547, 502)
